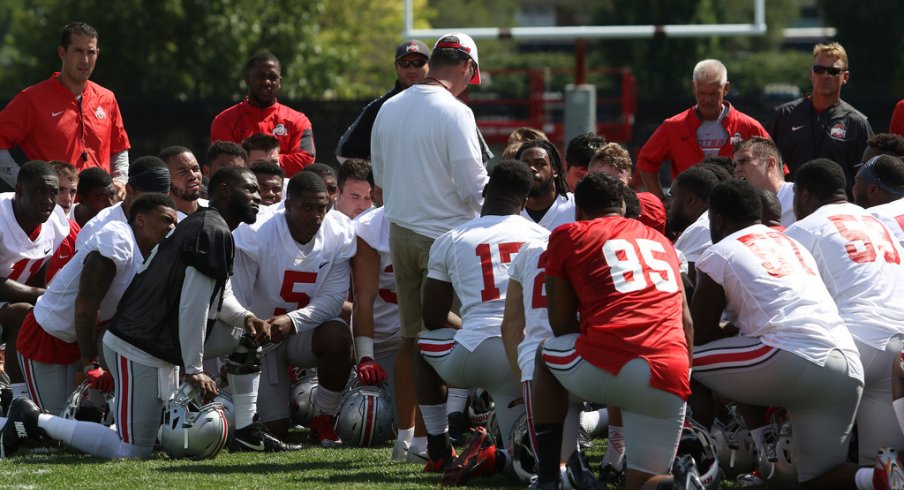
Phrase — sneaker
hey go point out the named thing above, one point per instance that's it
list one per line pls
(579, 474)
(21, 425)
(458, 427)
(613, 472)
(255, 438)
(400, 451)
(323, 430)
(888, 474)
(536, 485)
(684, 472)
(477, 459)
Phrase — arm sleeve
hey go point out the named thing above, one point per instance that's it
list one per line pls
(654, 151)
(327, 304)
(194, 303)
(376, 154)
(9, 169)
(244, 271)
(355, 143)
(119, 166)
(466, 160)
(219, 130)
(438, 263)
(302, 152)
(232, 312)
(119, 141)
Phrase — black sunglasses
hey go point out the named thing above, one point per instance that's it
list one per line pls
(414, 63)
(831, 70)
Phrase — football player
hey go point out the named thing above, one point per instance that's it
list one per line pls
(549, 204)
(32, 226)
(860, 262)
(624, 278)
(879, 186)
(293, 267)
(472, 261)
(52, 339)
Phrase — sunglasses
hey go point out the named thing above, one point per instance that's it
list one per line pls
(831, 70)
(414, 63)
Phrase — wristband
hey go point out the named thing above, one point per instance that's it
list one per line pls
(364, 347)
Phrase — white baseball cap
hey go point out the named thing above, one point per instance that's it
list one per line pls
(462, 42)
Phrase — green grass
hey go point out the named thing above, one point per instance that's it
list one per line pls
(312, 467)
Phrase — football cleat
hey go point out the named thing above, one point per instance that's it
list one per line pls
(419, 456)
(21, 425)
(255, 438)
(536, 485)
(400, 451)
(435, 466)
(477, 459)
(579, 474)
(323, 430)
(888, 474)
(6, 393)
(684, 472)
(458, 427)
(613, 472)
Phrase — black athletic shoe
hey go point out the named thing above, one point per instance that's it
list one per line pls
(458, 429)
(580, 476)
(255, 438)
(21, 425)
(6, 394)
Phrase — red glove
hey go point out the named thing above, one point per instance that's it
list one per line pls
(370, 373)
(100, 380)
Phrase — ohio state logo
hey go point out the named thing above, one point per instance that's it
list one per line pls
(100, 114)
(838, 131)
(280, 130)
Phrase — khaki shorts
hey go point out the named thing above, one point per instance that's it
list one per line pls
(410, 253)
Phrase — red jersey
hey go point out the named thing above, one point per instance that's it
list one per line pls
(48, 123)
(652, 212)
(290, 127)
(676, 140)
(626, 279)
(64, 252)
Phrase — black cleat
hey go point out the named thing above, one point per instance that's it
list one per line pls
(21, 425)
(580, 476)
(255, 438)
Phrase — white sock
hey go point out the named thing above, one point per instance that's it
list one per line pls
(456, 400)
(616, 439)
(89, 437)
(405, 435)
(20, 390)
(864, 478)
(58, 428)
(326, 401)
(603, 420)
(418, 445)
(244, 397)
(435, 418)
(899, 411)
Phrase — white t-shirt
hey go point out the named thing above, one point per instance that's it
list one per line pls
(529, 272)
(426, 156)
(774, 293)
(475, 259)
(861, 265)
(54, 310)
(786, 198)
(373, 228)
(695, 239)
(275, 275)
(106, 215)
(892, 214)
(20, 256)
(561, 212)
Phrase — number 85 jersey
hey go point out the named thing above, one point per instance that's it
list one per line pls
(275, 275)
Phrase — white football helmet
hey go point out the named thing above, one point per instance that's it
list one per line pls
(737, 453)
(90, 405)
(301, 407)
(365, 417)
(190, 428)
(777, 465)
(523, 461)
(696, 441)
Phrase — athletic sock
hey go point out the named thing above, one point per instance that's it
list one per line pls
(244, 397)
(418, 445)
(549, 442)
(617, 439)
(326, 401)
(20, 390)
(405, 435)
(456, 400)
(435, 418)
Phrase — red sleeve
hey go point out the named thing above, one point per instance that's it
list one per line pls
(654, 151)
(897, 119)
(652, 212)
(302, 148)
(119, 140)
(64, 252)
(15, 121)
(219, 128)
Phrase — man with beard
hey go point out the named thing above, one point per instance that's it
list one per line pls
(549, 204)
(185, 180)
(688, 202)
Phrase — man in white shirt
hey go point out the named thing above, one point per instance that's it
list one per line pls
(879, 186)
(549, 203)
(758, 161)
(688, 202)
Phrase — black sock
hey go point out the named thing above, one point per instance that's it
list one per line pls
(549, 442)
(438, 446)
(500, 460)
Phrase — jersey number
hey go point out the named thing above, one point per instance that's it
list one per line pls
(506, 251)
(628, 262)
(287, 291)
(389, 295)
(866, 237)
(778, 254)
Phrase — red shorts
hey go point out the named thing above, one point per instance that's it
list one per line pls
(34, 343)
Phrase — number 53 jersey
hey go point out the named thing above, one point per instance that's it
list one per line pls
(275, 275)
(475, 258)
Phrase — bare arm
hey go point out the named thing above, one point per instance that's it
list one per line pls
(15, 292)
(97, 275)
(365, 285)
(513, 324)
(562, 303)
(651, 182)
(437, 303)
(706, 310)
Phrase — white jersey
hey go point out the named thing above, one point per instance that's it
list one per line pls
(475, 258)
(106, 215)
(695, 239)
(892, 214)
(20, 255)
(561, 212)
(786, 198)
(774, 293)
(275, 275)
(861, 265)
(529, 270)
(373, 228)
(54, 309)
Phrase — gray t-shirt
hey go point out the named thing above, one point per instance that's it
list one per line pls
(712, 135)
